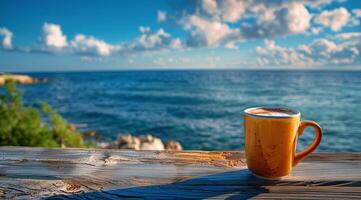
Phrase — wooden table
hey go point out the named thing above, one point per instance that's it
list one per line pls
(27, 173)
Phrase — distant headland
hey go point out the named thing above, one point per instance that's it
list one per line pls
(21, 79)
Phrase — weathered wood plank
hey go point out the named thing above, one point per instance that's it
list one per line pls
(32, 173)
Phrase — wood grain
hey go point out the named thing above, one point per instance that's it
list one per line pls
(33, 173)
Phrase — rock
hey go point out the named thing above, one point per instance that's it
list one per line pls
(143, 142)
(126, 142)
(148, 142)
(22, 79)
(173, 145)
(146, 138)
(103, 145)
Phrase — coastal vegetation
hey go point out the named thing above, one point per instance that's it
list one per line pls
(33, 125)
(40, 125)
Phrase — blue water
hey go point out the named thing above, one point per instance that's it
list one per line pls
(202, 109)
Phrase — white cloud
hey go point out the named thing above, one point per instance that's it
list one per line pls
(297, 18)
(159, 40)
(161, 16)
(213, 23)
(335, 19)
(354, 19)
(208, 33)
(325, 47)
(209, 27)
(53, 37)
(292, 18)
(328, 52)
(210, 6)
(232, 10)
(228, 10)
(55, 42)
(220, 22)
(316, 30)
(91, 59)
(357, 12)
(273, 54)
(304, 48)
(318, 4)
(349, 35)
(171, 61)
(321, 52)
(231, 45)
(89, 45)
(144, 29)
(7, 40)
(147, 41)
(176, 44)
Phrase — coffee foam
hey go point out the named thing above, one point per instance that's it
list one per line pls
(273, 112)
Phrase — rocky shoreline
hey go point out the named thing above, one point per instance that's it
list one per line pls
(142, 142)
(21, 79)
(131, 142)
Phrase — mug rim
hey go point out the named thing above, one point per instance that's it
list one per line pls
(293, 112)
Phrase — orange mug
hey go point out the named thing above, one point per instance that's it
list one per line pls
(270, 140)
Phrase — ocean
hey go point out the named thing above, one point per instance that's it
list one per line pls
(203, 109)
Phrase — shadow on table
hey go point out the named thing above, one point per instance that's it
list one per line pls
(240, 184)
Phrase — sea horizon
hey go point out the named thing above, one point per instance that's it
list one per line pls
(180, 69)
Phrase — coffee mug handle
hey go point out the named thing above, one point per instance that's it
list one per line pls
(301, 155)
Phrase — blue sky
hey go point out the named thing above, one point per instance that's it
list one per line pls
(109, 35)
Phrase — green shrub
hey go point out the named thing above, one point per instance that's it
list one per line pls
(29, 126)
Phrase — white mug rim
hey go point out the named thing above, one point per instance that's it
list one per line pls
(293, 113)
